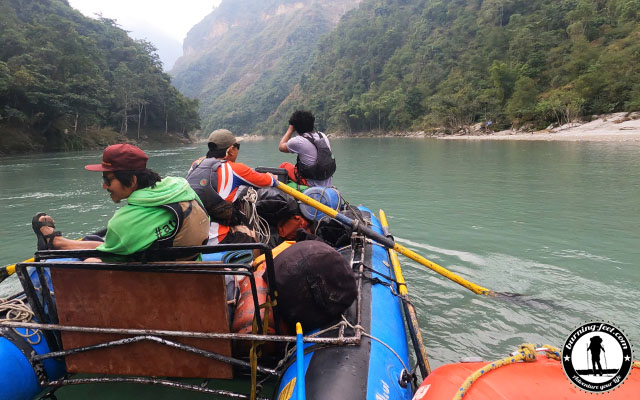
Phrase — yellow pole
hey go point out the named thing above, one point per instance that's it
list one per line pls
(402, 288)
(389, 243)
(477, 289)
(10, 270)
(395, 263)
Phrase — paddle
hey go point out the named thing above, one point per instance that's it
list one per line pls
(385, 241)
(410, 311)
(10, 270)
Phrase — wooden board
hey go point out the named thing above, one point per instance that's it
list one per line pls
(143, 300)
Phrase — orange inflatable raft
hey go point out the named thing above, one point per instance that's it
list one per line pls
(540, 379)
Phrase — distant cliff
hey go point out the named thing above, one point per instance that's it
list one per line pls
(246, 57)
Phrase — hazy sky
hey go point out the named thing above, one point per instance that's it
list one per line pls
(163, 23)
(174, 18)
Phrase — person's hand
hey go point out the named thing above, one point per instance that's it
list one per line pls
(274, 179)
(290, 130)
(282, 146)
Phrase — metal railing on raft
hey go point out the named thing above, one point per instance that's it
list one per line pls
(43, 306)
(194, 267)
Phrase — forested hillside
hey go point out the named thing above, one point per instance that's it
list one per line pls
(419, 64)
(67, 80)
(245, 58)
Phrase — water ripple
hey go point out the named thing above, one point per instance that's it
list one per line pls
(583, 255)
(44, 195)
(462, 255)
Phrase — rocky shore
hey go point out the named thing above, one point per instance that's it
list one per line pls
(621, 127)
(617, 127)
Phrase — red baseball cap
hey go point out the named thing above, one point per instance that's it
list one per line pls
(121, 157)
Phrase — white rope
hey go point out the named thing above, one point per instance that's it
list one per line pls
(16, 311)
(256, 223)
(344, 322)
(363, 333)
(289, 352)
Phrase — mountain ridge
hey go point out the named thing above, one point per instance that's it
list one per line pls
(399, 65)
(245, 57)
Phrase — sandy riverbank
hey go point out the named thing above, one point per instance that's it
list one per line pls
(618, 127)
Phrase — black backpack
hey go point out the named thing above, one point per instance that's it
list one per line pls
(203, 179)
(325, 164)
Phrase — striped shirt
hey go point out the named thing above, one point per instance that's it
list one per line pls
(232, 175)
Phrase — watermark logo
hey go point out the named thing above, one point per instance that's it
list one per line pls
(597, 357)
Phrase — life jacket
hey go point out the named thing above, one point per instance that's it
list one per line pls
(192, 229)
(245, 310)
(203, 179)
(325, 164)
(192, 225)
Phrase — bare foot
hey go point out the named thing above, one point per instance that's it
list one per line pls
(46, 230)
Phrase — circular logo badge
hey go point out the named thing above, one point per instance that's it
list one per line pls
(597, 357)
(204, 182)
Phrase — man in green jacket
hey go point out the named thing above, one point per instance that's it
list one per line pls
(151, 214)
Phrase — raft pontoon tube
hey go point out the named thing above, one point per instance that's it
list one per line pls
(540, 378)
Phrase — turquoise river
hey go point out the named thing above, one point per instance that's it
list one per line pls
(558, 222)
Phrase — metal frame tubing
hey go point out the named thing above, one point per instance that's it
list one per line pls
(182, 251)
(148, 381)
(168, 343)
(199, 335)
(50, 337)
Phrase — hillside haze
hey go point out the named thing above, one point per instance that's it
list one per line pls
(247, 56)
(72, 82)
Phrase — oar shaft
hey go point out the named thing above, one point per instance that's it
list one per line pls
(307, 200)
(10, 270)
(300, 384)
(393, 256)
(442, 271)
(412, 320)
(389, 243)
(383, 240)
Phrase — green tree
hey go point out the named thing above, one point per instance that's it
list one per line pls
(522, 105)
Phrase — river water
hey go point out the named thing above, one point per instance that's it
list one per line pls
(558, 222)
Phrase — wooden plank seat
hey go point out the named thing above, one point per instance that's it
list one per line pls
(142, 300)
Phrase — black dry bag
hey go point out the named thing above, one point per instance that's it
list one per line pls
(315, 284)
(275, 206)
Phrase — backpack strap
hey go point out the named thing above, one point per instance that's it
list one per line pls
(311, 139)
(180, 215)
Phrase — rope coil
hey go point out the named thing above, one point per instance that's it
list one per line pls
(16, 310)
(256, 223)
